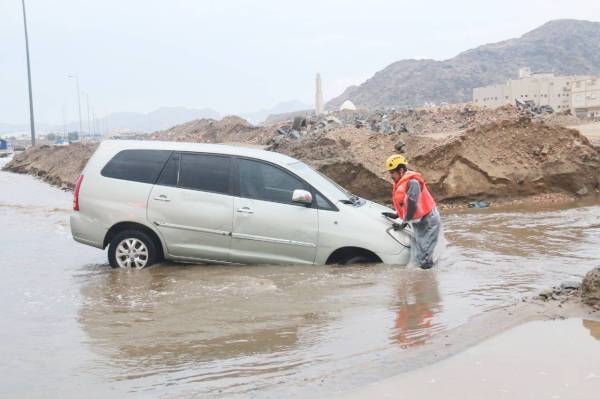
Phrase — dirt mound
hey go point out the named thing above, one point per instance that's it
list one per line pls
(590, 288)
(499, 160)
(58, 165)
(227, 130)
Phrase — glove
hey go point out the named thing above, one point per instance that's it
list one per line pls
(398, 227)
(390, 215)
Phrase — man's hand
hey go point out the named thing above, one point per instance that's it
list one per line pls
(398, 227)
(390, 215)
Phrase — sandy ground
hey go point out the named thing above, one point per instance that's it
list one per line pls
(498, 340)
(590, 130)
(521, 351)
(515, 364)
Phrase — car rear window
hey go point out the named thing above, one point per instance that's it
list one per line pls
(142, 166)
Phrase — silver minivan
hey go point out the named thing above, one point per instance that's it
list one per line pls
(150, 200)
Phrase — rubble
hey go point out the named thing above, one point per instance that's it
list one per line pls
(530, 107)
(496, 161)
(414, 121)
(588, 290)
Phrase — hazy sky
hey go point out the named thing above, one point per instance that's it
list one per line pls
(235, 56)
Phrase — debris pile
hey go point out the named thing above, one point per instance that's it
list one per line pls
(532, 108)
(413, 121)
(501, 161)
(563, 292)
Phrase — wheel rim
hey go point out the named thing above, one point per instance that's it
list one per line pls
(132, 253)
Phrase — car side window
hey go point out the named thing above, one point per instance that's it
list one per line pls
(142, 166)
(205, 172)
(170, 174)
(323, 203)
(259, 180)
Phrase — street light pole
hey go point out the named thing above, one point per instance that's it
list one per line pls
(76, 77)
(87, 99)
(31, 119)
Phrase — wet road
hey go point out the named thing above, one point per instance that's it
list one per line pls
(70, 324)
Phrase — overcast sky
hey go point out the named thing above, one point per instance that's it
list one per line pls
(235, 56)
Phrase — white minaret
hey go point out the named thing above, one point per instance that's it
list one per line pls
(318, 97)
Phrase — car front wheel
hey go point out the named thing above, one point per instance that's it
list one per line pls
(132, 249)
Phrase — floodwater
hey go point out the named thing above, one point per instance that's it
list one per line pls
(73, 326)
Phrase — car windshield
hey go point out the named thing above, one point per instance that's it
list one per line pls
(321, 180)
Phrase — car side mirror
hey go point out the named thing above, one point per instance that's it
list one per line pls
(302, 197)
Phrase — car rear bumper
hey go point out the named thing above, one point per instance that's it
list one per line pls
(87, 231)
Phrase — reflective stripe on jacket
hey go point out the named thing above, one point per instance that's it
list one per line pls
(400, 196)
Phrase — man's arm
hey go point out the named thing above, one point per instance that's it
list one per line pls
(414, 192)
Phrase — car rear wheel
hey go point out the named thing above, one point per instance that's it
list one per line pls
(132, 249)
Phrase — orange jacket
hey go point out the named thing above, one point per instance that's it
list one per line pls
(400, 196)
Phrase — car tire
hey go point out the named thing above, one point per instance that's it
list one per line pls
(352, 260)
(132, 249)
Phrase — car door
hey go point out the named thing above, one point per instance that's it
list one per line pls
(192, 206)
(267, 226)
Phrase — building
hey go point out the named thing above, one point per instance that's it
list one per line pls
(539, 88)
(347, 106)
(585, 97)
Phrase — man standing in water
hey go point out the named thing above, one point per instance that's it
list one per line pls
(415, 205)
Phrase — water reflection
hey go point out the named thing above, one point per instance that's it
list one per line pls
(418, 301)
(176, 316)
(593, 327)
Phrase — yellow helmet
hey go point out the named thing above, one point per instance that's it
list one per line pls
(394, 161)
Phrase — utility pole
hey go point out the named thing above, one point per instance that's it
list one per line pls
(76, 77)
(64, 113)
(87, 97)
(94, 121)
(31, 119)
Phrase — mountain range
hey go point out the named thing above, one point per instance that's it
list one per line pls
(566, 47)
(159, 119)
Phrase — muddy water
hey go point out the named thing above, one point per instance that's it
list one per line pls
(71, 324)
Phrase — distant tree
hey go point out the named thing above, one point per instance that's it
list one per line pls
(51, 136)
(73, 136)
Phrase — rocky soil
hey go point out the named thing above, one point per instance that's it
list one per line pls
(590, 288)
(503, 155)
(57, 165)
(231, 129)
(503, 160)
(586, 291)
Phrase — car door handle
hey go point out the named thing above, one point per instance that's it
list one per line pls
(162, 198)
(245, 210)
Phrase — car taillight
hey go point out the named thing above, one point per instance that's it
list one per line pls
(76, 193)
